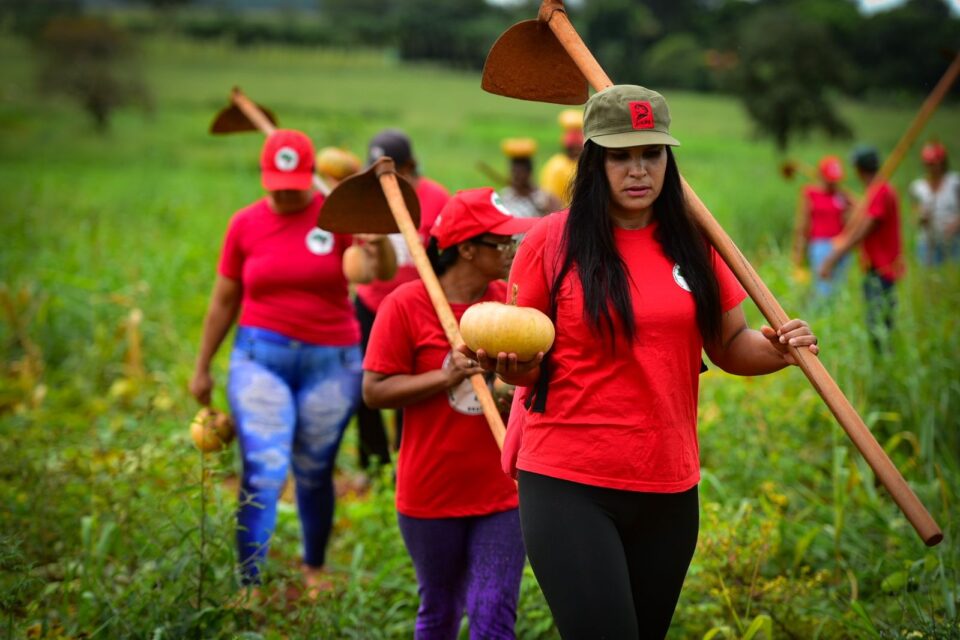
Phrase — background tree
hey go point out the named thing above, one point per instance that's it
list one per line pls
(788, 66)
(92, 62)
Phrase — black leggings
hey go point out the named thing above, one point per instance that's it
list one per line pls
(610, 563)
(372, 439)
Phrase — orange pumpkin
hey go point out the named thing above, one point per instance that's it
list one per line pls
(356, 266)
(496, 327)
(211, 429)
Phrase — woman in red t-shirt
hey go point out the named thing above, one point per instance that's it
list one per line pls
(821, 214)
(295, 367)
(608, 460)
(457, 512)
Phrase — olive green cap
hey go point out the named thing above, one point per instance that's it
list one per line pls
(627, 115)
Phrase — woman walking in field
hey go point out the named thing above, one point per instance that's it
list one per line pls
(821, 214)
(457, 511)
(936, 200)
(608, 460)
(295, 367)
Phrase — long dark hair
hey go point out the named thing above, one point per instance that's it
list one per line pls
(588, 243)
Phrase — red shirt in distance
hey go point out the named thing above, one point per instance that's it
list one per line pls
(882, 248)
(826, 211)
(449, 463)
(627, 418)
(432, 197)
(291, 273)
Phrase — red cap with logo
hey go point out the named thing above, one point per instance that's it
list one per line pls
(286, 161)
(831, 169)
(472, 212)
(933, 152)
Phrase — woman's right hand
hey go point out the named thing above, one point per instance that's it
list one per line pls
(460, 367)
(201, 386)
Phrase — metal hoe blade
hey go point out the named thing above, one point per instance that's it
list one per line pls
(357, 205)
(232, 120)
(529, 63)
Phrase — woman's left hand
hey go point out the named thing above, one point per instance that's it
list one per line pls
(794, 333)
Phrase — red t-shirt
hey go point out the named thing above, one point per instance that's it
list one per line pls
(826, 211)
(627, 418)
(432, 197)
(882, 248)
(291, 273)
(449, 464)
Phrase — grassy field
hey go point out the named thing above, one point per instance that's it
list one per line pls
(112, 525)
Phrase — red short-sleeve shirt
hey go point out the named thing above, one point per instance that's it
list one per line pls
(291, 273)
(826, 211)
(882, 248)
(432, 198)
(449, 464)
(624, 418)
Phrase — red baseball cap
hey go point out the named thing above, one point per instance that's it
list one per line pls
(933, 152)
(472, 212)
(287, 161)
(831, 169)
(573, 138)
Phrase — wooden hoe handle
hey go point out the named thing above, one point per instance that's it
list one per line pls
(391, 189)
(262, 122)
(552, 12)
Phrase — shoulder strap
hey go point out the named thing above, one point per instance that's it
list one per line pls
(536, 401)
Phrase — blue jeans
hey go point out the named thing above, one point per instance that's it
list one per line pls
(932, 252)
(817, 252)
(291, 402)
(472, 564)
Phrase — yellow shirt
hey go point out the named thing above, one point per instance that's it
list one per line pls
(556, 175)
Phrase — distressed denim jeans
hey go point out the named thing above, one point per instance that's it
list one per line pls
(291, 402)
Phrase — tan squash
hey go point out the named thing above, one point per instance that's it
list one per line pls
(356, 265)
(496, 327)
(211, 430)
(336, 164)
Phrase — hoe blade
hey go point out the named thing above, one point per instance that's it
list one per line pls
(232, 120)
(529, 63)
(358, 205)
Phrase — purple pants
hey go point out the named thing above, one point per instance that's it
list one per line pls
(472, 564)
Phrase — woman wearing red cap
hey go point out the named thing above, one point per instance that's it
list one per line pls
(295, 368)
(936, 198)
(821, 214)
(457, 512)
(609, 460)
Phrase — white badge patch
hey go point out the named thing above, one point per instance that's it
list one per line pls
(462, 397)
(286, 159)
(498, 203)
(679, 279)
(319, 242)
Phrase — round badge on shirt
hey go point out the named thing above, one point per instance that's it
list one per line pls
(679, 279)
(319, 242)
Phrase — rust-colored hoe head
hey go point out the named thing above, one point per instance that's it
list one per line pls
(232, 120)
(359, 205)
(528, 62)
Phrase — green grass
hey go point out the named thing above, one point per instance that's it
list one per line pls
(110, 526)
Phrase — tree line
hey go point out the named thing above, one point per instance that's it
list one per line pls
(785, 58)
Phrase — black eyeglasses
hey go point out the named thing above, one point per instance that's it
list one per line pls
(503, 247)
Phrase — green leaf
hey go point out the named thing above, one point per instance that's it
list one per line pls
(761, 624)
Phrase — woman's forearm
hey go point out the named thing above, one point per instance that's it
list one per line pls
(393, 392)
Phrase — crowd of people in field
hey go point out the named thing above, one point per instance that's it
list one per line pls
(602, 457)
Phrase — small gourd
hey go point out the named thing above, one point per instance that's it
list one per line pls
(211, 430)
(496, 327)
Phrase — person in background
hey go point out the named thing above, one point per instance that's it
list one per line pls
(608, 457)
(821, 214)
(457, 512)
(295, 368)
(392, 143)
(521, 196)
(936, 200)
(557, 174)
(878, 231)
